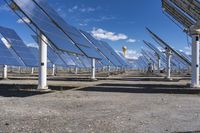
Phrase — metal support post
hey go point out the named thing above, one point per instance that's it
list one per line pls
(42, 81)
(93, 69)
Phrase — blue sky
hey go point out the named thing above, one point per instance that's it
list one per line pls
(119, 22)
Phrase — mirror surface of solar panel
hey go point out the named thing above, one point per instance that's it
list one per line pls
(55, 59)
(103, 50)
(45, 25)
(6, 58)
(122, 56)
(71, 31)
(14, 54)
(77, 61)
(111, 53)
(98, 65)
(19, 47)
(164, 44)
(108, 54)
(52, 55)
(86, 61)
(35, 52)
(114, 53)
(67, 59)
(103, 60)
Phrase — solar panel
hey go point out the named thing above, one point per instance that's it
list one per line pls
(191, 7)
(149, 45)
(61, 58)
(74, 34)
(54, 58)
(177, 14)
(102, 49)
(99, 64)
(6, 58)
(67, 59)
(40, 20)
(86, 61)
(114, 53)
(147, 56)
(35, 52)
(164, 45)
(77, 61)
(52, 54)
(108, 54)
(18, 46)
(122, 56)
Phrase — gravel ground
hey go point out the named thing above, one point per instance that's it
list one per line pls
(114, 107)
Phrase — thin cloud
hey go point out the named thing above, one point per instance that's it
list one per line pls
(103, 34)
(132, 54)
(187, 50)
(32, 45)
(82, 9)
(99, 19)
(131, 40)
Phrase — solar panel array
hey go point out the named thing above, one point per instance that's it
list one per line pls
(18, 46)
(164, 45)
(40, 20)
(74, 34)
(35, 52)
(123, 63)
(6, 58)
(177, 14)
(101, 47)
(67, 46)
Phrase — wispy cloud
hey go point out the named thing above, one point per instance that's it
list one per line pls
(187, 50)
(131, 40)
(132, 54)
(103, 34)
(99, 19)
(33, 45)
(61, 12)
(100, 33)
(83, 24)
(82, 9)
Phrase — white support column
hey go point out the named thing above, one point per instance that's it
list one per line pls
(195, 61)
(53, 70)
(169, 55)
(158, 67)
(42, 81)
(93, 69)
(109, 68)
(168, 66)
(5, 71)
(32, 70)
(76, 70)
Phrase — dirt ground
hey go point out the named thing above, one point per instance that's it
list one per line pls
(116, 105)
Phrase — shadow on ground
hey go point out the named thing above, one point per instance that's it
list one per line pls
(142, 88)
(27, 90)
(188, 132)
(149, 79)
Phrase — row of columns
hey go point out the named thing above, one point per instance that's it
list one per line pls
(42, 82)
